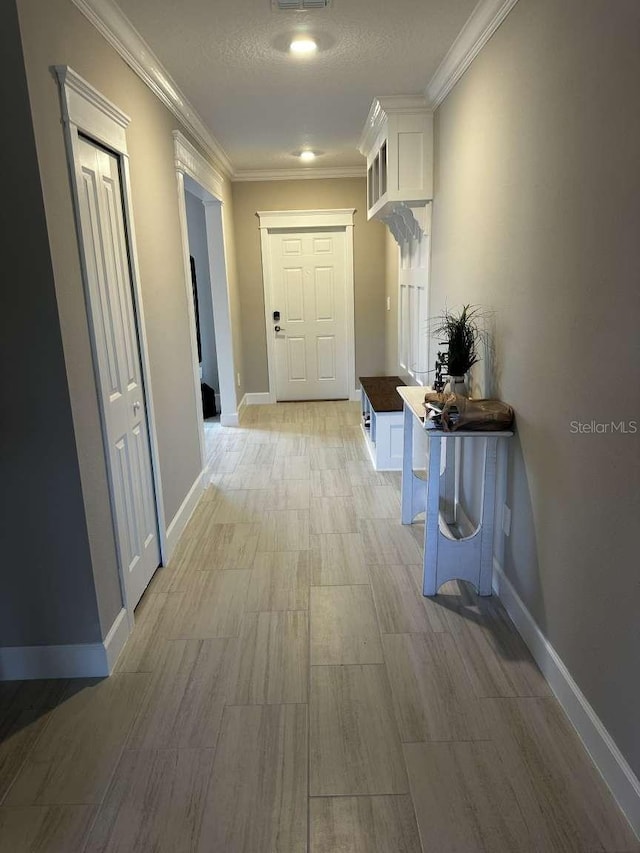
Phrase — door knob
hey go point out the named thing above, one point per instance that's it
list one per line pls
(136, 407)
(277, 329)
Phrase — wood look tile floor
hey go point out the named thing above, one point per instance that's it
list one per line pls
(287, 688)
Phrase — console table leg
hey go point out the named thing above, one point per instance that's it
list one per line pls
(408, 510)
(431, 523)
(485, 580)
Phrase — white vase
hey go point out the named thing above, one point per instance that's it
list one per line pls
(457, 385)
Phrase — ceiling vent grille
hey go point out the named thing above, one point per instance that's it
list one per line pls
(299, 5)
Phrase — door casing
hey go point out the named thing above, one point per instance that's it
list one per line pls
(308, 220)
(86, 111)
(199, 177)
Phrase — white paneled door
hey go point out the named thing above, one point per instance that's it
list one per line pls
(309, 314)
(104, 245)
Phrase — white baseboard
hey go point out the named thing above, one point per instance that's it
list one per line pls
(180, 519)
(233, 419)
(230, 420)
(115, 640)
(266, 398)
(606, 756)
(259, 398)
(356, 395)
(85, 660)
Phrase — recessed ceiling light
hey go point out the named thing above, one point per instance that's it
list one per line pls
(307, 156)
(303, 46)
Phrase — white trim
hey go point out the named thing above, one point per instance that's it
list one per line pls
(191, 313)
(258, 398)
(350, 308)
(233, 418)
(326, 172)
(241, 407)
(116, 638)
(356, 395)
(184, 513)
(606, 756)
(300, 220)
(221, 301)
(480, 26)
(338, 218)
(86, 660)
(195, 174)
(116, 28)
(120, 33)
(86, 106)
(265, 254)
(191, 162)
(85, 109)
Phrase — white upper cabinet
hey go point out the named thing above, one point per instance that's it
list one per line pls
(398, 143)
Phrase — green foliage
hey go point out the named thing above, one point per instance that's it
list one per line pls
(462, 334)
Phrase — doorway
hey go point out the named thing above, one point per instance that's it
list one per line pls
(203, 304)
(200, 190)
(307, 262)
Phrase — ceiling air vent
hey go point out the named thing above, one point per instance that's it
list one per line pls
(299, 5)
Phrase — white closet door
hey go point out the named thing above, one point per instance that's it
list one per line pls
(118, 371)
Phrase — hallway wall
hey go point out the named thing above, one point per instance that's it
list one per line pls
(57, 33)
(45, 547)
(369, 260)
(537, 217)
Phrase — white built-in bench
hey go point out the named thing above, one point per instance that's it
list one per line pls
(382, 420)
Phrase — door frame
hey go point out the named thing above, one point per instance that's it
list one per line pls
(195, 174)
(308, 220)
(85, 110)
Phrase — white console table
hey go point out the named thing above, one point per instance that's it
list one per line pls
(453, 549)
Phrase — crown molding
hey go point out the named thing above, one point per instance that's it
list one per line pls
(120, 33)
(480, 26)
(116, 28)
(299, 174)
(384, 106)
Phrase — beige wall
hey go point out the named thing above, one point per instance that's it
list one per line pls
(369, 261)
(57, 33)
(537, 217)
(48, 593)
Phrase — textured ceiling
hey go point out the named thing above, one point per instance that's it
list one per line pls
(230, 60)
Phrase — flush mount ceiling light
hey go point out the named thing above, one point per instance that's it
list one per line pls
(303, 46)
(307, 156)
